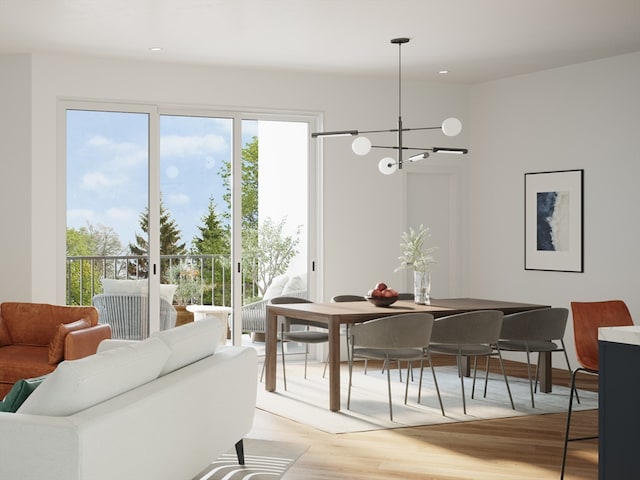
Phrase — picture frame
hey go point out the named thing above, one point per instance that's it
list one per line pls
(553, 221)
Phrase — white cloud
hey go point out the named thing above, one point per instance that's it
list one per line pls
(122, 214)
(180, 145)
(123, 154)
(98, 141)
(179, 199)
(79, 217)
(95, 180)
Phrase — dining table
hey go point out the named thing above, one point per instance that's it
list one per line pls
(336, 314)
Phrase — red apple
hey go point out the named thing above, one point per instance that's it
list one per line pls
(381, 286)
(377, 293)
(388, 293)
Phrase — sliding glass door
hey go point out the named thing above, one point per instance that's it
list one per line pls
(186, 208)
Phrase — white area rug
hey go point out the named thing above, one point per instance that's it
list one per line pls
(264, 460)
(307, 401)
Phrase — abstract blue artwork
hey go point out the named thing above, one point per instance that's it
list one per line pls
(553, 221)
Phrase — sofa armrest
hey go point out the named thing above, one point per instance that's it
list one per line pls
(84, 342)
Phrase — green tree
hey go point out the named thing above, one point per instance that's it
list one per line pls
(84, 277)
(249, 185)
(269, 253)
(214, 239)
(170, 237)
(266, 253)
(249, 222)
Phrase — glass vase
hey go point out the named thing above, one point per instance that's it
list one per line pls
(421, 287)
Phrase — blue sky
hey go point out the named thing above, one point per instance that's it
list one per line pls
(107, 168)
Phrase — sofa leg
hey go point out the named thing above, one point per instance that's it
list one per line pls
(240, 452)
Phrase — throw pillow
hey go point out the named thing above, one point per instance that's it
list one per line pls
(124, 287)
(56, 346)
(275, 289)
(297, 283)
(76, 385)
(19, 393)
(167, 291)
(189, 343)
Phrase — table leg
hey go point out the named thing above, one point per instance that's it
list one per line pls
(334, 365)
(545, 376)
(270, 351)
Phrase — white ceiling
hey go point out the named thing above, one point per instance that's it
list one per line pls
(477, 40)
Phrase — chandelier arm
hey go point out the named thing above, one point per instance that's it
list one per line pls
(403, 147)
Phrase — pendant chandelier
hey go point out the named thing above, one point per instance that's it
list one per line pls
(388, 165)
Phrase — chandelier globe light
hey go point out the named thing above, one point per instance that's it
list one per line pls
(362, 145)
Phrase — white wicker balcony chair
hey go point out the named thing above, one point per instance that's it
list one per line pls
(254, 315)
(128, 314)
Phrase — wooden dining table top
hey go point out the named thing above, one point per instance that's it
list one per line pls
(351, 312)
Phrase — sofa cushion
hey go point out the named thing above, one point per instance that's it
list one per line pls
(5, 337)
(189, 343)
(79, 384)
(297, 283)
(124, 287)
(56, 347)
(19, 393)
(23, 361)
(276, 286)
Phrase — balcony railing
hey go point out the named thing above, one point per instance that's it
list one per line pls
(84, 274)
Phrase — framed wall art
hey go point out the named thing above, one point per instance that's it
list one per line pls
(553, 221)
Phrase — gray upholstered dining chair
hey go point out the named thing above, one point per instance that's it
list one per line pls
(533, 331)
(306, 336)
(397, 337)
(471, 334)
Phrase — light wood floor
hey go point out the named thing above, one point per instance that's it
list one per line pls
(511, 449)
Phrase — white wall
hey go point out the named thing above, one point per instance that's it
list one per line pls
(15, 178)
(362, 210)
(584, 116)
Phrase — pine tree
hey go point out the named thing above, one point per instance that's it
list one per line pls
(170, 237)
(214, 239)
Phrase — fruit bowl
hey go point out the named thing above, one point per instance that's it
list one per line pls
(382, 301)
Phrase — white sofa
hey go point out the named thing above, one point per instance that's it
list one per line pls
(160, 409)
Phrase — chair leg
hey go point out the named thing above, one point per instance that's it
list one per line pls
(349, 388)
(326, 362)
(389, 389)
(533, 405)
(506, 380)
(284, 369)
(475, 370)
(566, 357)
(566, 432)
(406, 388)
(486, 375)
(435, 381)
(461, 375)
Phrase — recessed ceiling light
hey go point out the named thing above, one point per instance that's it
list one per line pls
(443, 72)
(155, 49)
